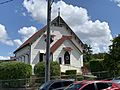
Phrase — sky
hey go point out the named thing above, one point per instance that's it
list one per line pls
(96, 22)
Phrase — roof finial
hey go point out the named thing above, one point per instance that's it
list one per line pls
(59, 11)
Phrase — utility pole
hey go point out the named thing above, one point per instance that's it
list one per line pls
(47, 63)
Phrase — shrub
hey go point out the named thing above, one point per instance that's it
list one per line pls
(14, 74)
(14, 70)
(96, 66)
(70, 72)
(98, 70)
(39, 69)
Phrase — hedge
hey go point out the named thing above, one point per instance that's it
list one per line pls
(70, 72)
(98, 70)
(39, 69)
(96, 66)
(14, 70)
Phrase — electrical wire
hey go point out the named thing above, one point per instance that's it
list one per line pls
(4, 2)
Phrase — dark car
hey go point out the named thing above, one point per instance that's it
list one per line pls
(93, 85)
(56, 84)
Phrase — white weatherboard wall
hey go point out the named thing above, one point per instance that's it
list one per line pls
(58, 32)
(23, 55)
(37, 47)
(75, 57)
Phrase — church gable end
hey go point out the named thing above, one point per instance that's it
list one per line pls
(65, 46)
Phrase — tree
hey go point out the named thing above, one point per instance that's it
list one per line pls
(112, 59)
(98, 56)
(87, 53)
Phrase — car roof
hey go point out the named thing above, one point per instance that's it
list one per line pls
(60, 80)
(45, 85)
(91, 81)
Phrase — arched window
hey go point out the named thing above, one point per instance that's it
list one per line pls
(67, 58)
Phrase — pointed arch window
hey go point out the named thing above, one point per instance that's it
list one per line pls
(66, 58)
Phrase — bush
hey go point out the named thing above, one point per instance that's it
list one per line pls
(96, 66)
(14, 70)
(39, 69)
(70, 72)
(98, 70)
(14, 74)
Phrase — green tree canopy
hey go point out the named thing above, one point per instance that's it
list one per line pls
(87, 53)
(112, 59)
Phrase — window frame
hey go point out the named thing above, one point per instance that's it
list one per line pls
(65, 61)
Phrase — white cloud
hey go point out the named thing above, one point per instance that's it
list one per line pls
(96, 33)
(24, 14)
(36, 8)
(4, 57)
(25, 33)
(4, 36)
(117, 2)
(17, 42)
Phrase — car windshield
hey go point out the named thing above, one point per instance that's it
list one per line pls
(73, 87)
(43, 86)
(116, 78)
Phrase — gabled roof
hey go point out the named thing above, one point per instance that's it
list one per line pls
(59, 42)
(61, 20)
(32, 38)
(35, 36)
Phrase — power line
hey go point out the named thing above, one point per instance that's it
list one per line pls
(4, 2)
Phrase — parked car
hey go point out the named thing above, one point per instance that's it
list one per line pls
(56, 85)
(93, 85)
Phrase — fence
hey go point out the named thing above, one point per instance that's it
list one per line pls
(34, 82)
(102, 75)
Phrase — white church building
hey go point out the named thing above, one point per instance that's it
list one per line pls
(66, 48)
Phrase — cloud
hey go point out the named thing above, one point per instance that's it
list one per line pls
(4, 36)
(117, 2)
(36, 8)
(95, 33)
(24, 14)
(17, 42)
(25, 33)
(4, 57)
